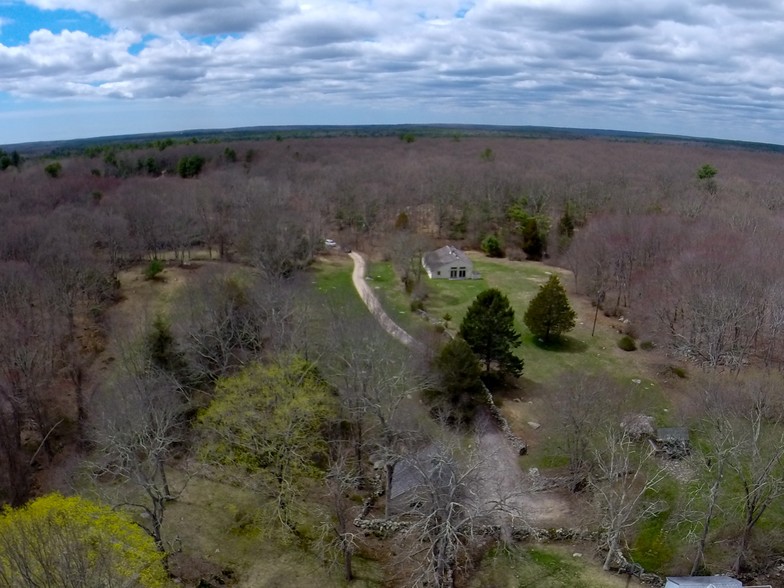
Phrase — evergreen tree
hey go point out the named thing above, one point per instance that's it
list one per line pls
(549, 314)
(533, 244)
(488, 328)
(461, 388)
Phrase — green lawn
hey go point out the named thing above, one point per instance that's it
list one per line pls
(544, 566)
(520, 282)
(331, 277)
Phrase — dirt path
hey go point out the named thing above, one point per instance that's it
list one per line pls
(374, 306)
(502, 484)
(505, 489)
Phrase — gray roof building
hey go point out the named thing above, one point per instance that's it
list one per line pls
(450, 263)
(703, 582)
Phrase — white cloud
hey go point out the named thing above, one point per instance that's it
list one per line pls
(662, 64)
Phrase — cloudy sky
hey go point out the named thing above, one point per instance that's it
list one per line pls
(81, 68)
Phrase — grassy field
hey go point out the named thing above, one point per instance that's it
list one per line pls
(219, 530)
(520, 281)
(545, 566)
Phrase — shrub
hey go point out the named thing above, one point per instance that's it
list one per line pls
(678, 371)
(153, 269)
(627, 343)
(647, 345)
(492, 246)
(417, 305)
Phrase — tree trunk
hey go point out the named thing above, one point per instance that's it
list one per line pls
(612, 548)
(348, 572)
(390, 470)
(699, 557)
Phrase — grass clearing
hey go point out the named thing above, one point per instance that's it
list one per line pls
(520, 282)
(331, 275)
(217, 522)
(544, 566)
(383, 280)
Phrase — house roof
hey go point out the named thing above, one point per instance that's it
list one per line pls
(444, 256)
(704, 582)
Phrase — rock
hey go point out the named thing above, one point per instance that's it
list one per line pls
(534, 425)
(577, 555)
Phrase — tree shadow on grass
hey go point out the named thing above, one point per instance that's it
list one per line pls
(563, 344)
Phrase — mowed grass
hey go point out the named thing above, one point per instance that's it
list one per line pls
(331, 276)
(520, 282)
(383, 280)
(544, 566)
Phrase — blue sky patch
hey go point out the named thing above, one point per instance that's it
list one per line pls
(18, 20)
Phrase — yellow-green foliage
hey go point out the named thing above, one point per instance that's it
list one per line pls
(58, 541)
(269, 419)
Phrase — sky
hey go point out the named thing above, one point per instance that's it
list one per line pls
(86, 68)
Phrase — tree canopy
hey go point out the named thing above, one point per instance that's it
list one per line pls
(269, 421)
(488, 328)
(56, 541)
(460, 388)
(549, 313)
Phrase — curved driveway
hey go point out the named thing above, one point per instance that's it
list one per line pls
(374, 306)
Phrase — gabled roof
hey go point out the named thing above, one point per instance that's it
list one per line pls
(444, 256)
(704, 582)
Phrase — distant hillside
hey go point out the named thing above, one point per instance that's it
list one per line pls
(63, 148)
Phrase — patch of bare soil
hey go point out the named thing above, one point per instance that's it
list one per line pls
(507, 492)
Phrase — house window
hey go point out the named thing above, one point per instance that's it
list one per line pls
(461, 272)
(453, 272)
(438, 273)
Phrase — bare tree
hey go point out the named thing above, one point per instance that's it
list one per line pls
(378, 382)
(137, 425)
(624, 472)
(582, 403)
(757, 458)
(339, 533)
(448, 515)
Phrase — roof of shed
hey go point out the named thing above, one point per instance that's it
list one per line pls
(704, 582)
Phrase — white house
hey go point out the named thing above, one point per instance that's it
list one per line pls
(703, 582)
(448, 263)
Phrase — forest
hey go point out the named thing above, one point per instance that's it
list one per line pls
(192, 390)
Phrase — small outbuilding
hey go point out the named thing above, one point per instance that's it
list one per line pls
(703, 582)
(449, 263)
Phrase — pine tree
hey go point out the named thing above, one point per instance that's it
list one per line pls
(461, 388)
(549, 313)
(533, 244)
(488, 328)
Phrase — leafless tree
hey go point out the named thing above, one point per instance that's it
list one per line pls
(226, 317)
(624, 472)
(447, 514)
(137, 425)
(339, 533)
(378, 383)
(582, 403)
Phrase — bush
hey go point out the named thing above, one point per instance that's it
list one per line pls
(492, 246)
(417, 305)
(647, 345)
(679, 371)
(627, 343)
(152, 270)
